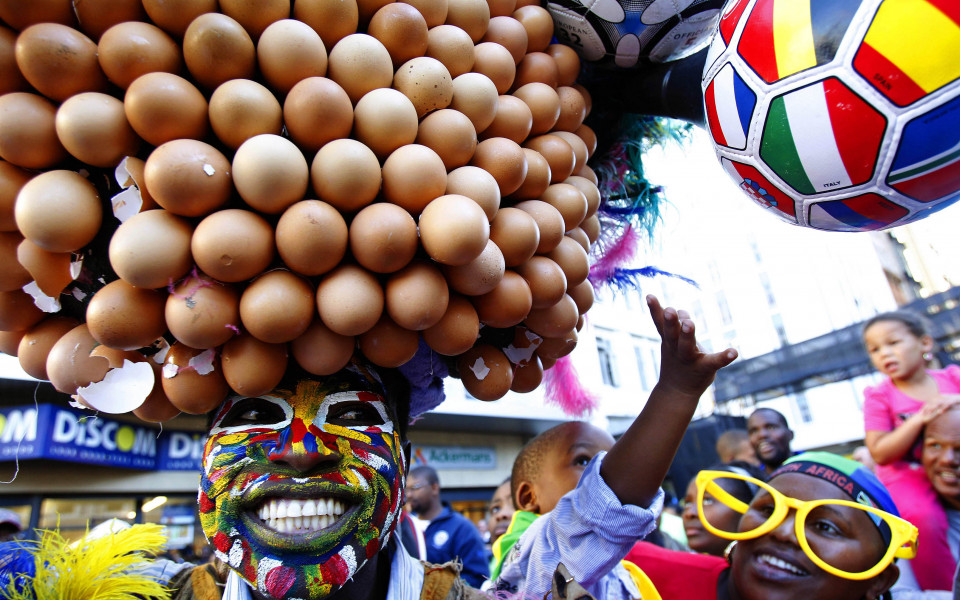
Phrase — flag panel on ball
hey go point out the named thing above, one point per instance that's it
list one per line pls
(861, 213)
(927, 164)
(730, 18)
(759, 188)
(730, 104)
(822, 138)
(783, 37)
(911, 49)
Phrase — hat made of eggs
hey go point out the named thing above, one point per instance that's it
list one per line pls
(191, 199)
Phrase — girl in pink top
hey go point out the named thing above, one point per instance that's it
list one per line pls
(895, 413)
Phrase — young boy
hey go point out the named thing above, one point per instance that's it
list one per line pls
(599, 496)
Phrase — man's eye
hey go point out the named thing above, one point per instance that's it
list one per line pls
(253, 411)
(354, 414)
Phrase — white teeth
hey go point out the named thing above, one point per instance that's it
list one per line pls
(301, 516)
(780, 564)
(293, 509)
(281, 509)
(309, 508)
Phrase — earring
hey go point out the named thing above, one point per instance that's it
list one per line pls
(928, 356)
(728, 552)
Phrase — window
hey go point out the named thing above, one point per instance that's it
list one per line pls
(608, 369)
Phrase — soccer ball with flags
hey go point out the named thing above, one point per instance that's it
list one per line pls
(630, 33)
(839, 114)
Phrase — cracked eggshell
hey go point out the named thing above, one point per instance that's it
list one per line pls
(69, 363)
(122, 389)
(193, 380)
(35, 345)
(485, 372)
(203, 313)
(252, 367)
(157, 407)
(52, 271)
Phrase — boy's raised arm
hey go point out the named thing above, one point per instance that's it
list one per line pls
(636, 465)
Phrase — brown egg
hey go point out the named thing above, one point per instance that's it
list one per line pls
(413, 175)
(569, 200)
(549, 223)
(21, 15)
(125, 317)
(256, 17)
(577, 144)
(241, 109)
(12, 179)
(277, 307)
(546, 279)
(499, 8)
(571, 257)
(509, 33)
(93, 128)
(454, 229)
(360, 63)
(496, 62)
(152, 249)
(12, 79)
(558, 347)
(233, 245)
(36, 343)
(203, 313)
(12, 274)
(583, 296)
(216, 49)
(587, 173)
(384, 120)
(251, 367)
(590, 192)
(321, 351)
(537, 179)
(58, 211)
(507, 304)
(193, 380)
(478, 185)
(17, 311)
(544, 104)
(95, 17)
(473, 16)
(402, 30)
(368, 8)
(522, 349)
(475, 95)
(589, 138)
(539, 25)
(504, 159)
(452, 46)
(527, 377)
(383, 237)
(485, 372)
(346, 174)
(157, 407)
(558, 153)
(270, 173)
(333, 21)
(58, 60)
(573, 109)
(417, 296)
(591, 226)
(553, 321)
(479, 276)
(349, 300)
(162, 107)
(128, 50)
(387, 344)
(568, 63)
(586, 96)
(316, 111)
(51, 271)
(451, 135)
(426, 82)
(28, 134)
(536, 67)
(455, 332)
(311, 237)
(69, 364)
(188, 177)
(517, 235)
(288, 52)
(174, 16)
(9, 341)
(580, 237)
(513, 121)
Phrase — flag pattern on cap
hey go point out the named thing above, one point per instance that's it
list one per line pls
(822, 137)
(730, 104)
(759, 188)
(911, 49)
(927, 164)
(783, 37)
(860, 213)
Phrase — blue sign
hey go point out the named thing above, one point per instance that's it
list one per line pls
(181, 451)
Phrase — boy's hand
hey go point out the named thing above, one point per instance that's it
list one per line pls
(684, 367)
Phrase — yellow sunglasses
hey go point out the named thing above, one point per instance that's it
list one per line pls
(903, 542)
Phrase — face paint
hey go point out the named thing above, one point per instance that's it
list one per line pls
(299, 489)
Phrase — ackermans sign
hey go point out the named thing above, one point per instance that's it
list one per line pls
(62, 433)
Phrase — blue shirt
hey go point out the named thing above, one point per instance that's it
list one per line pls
(452, 536)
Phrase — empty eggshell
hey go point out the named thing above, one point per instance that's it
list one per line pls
(122, 389)
(321, 351)
(52, 272)
(157, 407)
(485, 372)
(252, 367)
(69, 364)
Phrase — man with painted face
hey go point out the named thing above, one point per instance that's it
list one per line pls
(770, 437)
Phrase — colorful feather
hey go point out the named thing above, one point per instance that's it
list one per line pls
(563, 388)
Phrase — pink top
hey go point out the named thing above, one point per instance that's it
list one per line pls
(885, 408)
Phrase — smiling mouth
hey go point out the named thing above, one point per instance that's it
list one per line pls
(779, 564)
(948, 477)
(299, 516)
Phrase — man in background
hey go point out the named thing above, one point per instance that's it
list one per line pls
(770, 437)
(734, 444)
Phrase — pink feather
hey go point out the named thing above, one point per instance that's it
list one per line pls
(614, 256)
(563, 388)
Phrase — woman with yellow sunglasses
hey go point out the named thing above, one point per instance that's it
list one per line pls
(821, 528)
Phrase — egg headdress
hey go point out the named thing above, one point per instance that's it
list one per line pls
(191, 199)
